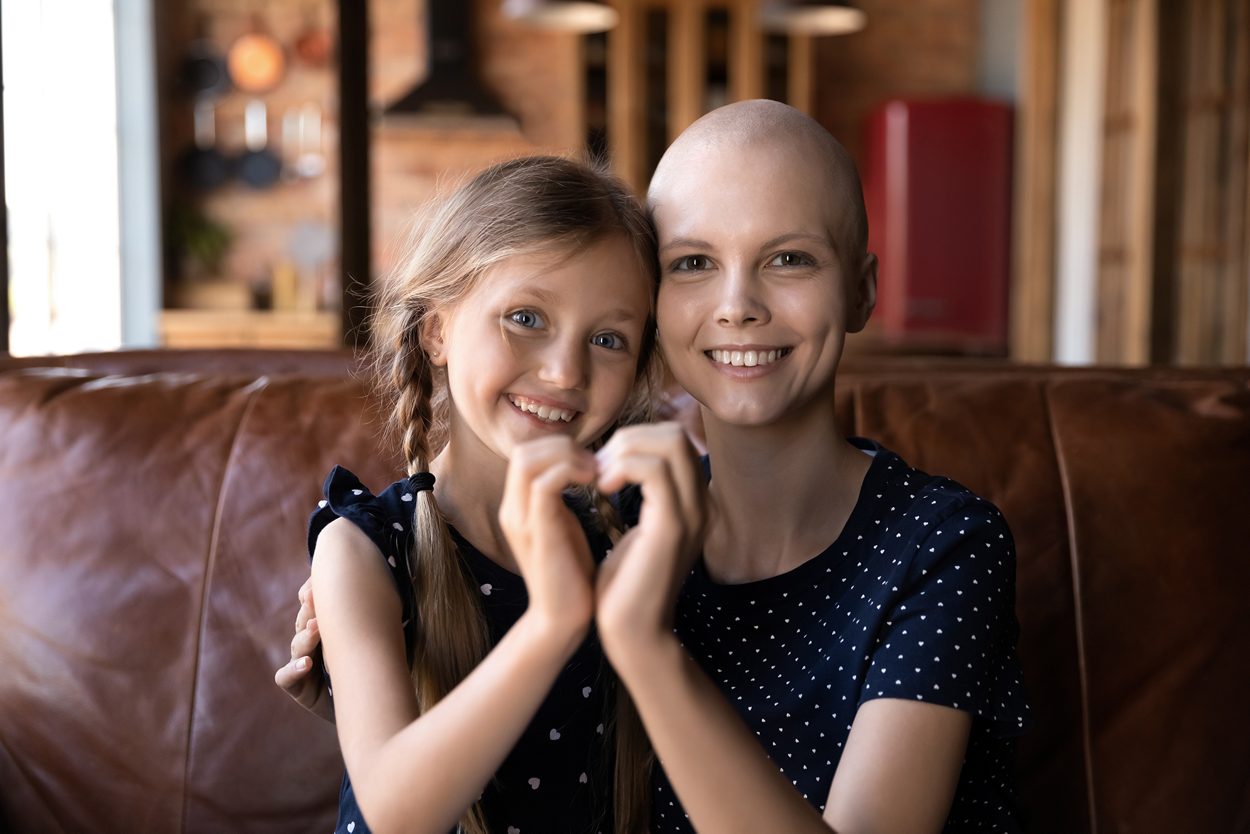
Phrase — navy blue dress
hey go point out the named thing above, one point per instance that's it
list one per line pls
(915, 599)
(558, 777)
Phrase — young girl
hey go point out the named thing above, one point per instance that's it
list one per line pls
(838, 651)
(453, 620)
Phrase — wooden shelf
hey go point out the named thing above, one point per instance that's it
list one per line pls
(249, 328)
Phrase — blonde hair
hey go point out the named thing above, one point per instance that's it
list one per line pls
(524, 206)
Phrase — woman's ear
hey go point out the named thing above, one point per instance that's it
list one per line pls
(432, 339)
(863, 294)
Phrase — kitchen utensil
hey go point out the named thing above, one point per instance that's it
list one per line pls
(203, 166)
(259, 167)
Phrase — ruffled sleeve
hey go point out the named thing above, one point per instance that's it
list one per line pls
(950, 638)
(386, 519)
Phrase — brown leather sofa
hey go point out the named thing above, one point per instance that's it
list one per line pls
(152, 514)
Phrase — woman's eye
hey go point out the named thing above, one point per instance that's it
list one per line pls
(791, 259)
(526, 318)
(690, 263)
(611, 341)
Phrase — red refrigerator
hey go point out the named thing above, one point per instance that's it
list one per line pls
(937, 183)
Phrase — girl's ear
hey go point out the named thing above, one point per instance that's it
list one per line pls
(863, 294)
(432, 340)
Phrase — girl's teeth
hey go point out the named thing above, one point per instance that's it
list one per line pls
(543, 412)
(746, 358)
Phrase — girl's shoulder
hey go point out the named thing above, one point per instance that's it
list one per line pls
(385, 518)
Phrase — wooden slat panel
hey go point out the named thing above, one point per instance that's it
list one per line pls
(746, 56)
(626, 110)
(802, 90)
(1126, 241)
(687, 65)
(1033, 284)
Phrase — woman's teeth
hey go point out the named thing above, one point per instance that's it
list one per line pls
(543, 412)
(747, 358)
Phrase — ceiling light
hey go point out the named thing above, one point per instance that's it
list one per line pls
(812, 17)
(581, 16)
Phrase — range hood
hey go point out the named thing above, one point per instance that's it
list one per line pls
(452, 88)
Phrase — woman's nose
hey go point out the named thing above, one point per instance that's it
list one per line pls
(740, 302)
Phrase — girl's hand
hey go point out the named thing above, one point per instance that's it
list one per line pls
(638, 583)
(545, 537)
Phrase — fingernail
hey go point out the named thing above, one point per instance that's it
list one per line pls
(301, 664)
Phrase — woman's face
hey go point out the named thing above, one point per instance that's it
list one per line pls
(753, 300)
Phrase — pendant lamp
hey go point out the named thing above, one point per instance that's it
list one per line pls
(812, 17)
(581, 16)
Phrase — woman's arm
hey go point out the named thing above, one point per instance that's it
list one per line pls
(902, 762)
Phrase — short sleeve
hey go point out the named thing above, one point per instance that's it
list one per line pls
(386, 526)
(950, 636)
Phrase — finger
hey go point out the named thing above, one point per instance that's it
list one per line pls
(653, 474)
(293, 676)
(306, 640)
(527, 463)
(666, 440)
(547, 489)
(306, 611)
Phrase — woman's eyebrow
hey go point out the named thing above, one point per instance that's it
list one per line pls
(685, 243)
(793, 236)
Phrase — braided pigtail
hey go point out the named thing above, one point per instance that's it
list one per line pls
(451, 637)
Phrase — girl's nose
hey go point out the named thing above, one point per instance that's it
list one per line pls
(564, 366)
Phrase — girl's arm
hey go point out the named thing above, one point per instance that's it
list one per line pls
(419, 772)
(902, 761)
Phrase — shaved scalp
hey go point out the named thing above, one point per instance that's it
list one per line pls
(770, 124)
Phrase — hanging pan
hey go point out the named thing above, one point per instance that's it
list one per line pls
(256, 60)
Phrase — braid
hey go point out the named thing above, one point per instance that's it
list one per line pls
(451, 632)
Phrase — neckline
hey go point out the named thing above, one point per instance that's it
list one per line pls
(874, 482)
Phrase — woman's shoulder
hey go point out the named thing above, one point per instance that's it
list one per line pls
(911, 497)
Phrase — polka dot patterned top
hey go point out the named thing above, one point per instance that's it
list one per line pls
(557, 778)
(915, 600)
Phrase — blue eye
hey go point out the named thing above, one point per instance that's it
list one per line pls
(691, 263)
(526, 318)
(792, 259)
(611, 341)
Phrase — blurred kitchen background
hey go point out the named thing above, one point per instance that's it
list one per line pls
(1047, 180)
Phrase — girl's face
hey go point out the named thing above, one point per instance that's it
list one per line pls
(753, 297)
(546, 343)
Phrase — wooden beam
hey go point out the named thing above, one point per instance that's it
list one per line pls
(626, 113)
(746, 51)
(354, 194)
(801, 90)
(1033, 273)
(686, 65)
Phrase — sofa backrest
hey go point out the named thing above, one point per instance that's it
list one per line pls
(152, 530)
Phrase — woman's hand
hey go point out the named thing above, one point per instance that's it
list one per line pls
(545, 537)
(638, 583)
(301, 678)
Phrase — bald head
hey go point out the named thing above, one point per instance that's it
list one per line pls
(770, 127)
